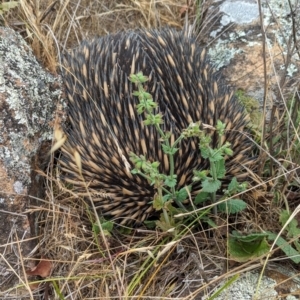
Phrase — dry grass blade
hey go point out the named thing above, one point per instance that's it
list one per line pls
(81, 258)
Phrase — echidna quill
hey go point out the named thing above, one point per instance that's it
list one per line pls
(104, 126)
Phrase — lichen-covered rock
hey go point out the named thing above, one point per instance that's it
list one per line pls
(28, 96)
(28, 99)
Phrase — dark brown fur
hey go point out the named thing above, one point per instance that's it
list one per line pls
(105, 127)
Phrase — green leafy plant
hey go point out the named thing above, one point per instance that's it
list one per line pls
(165, 184)
(107, 227)
(243, 247)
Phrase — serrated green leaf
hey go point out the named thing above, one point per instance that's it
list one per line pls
(155, 164)
(205, 153)
(200, 175)
(147, 96)
(220, 168)
(233, 185)
(201, 197)
(107, 227)
(153, 119)
(169, 150)
(182, 194)
(232, 206)
(215, 155)
(220, 126)
(171, 181)
(228, 151)
(210, 186)
(167, 197)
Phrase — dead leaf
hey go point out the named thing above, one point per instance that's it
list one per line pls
(43, 268)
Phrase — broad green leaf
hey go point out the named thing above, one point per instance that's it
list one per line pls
(243, 248)
(201, 197)
(220, 168)
(232, 206)
(210, 186)
(182, 194)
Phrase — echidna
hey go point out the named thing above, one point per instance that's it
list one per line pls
(104, 126)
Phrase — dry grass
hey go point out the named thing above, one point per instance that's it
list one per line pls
(141, 263)
(124, 264)
(52, 26)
